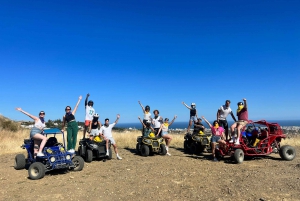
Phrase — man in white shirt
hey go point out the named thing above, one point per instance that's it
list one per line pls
(222, 114)
(89, 113)
(105, 132)
(156, 122)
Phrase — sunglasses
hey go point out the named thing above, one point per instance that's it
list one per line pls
(68, 109)
(42, 113)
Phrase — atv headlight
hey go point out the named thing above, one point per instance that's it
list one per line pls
(49, 151)
(68, 157)
(61, 149)
(148, 141)
(197, 138)
(160, 140)
(52, 159)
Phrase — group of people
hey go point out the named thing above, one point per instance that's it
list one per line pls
(92, 125)
(219, 129)
(156, 126)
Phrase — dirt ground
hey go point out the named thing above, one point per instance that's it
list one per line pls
(177, 177)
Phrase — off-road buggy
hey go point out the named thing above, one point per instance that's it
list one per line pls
(259, 138)
(55, 157)
(90, 149)
(196, 143)
(148, 146)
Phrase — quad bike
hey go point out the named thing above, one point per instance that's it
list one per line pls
(264, 140)
(150, 145)
(196, 143)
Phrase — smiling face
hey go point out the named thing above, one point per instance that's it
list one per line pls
(227, 103)
(42, 114)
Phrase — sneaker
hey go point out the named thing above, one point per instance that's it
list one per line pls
(119, 157)
(237, 143)
(71, 151)
(215, 159)
(40, 154)
(232, 140)
(107, 154)
(168, 154)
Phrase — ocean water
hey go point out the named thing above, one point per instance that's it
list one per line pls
(183, 125)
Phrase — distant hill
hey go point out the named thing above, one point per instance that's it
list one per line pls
(8, 124)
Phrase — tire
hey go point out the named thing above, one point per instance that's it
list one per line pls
(78, 163)
(145, 150)
(109, 154)
(218, 154)
(88, 156)
(80, 151)
(36, 171)
(163, 150)
(137, 147)
(193, 149)
(287, 152)
(238, 156)
(185, 146)
(20, 162)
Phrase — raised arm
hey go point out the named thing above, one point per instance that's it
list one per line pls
(63, 124)
(245, 103)
(233, 116)
(159, 129)
(86, 100)
(118, 117)
(173, 120)
(76, 106)
(206, 121)
(142, 106)
(186, 105)
(26, 113)
(218, 114)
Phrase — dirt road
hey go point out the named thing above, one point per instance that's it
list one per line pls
(177, 177)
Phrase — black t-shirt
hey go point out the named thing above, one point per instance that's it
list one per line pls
(193, 112)
(69, 117)
(197, 129)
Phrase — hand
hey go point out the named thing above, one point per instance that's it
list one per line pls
(118, 116)
(62, 130)
(175, 116)
(139, 102)
(88, 95)
(182, 102)
(19, 109)
(80, 97)
(244, 99)
(139, 117)
(202, 117)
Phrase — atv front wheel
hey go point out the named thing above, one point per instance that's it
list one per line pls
(109, 154)
(36, 171)
(138, 148)
(20, 162)
(145, 150)
(238, 155)
(78, 163)
(287, 152)
(163, 150)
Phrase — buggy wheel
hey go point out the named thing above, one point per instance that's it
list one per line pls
(145, 150)
(20, 162)
(185, 146)
(36, 171)
(238, 155)
(109, 157)
(138, 148)
(88, 156)
(78, 163)
(287, 152)
(163, 150)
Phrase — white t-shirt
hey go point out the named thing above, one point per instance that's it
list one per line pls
(224, 112)
(106, 131)
(147, 115)
(39, 125)
(157, 122)
(89, 112)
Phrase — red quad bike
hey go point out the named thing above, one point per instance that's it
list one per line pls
(258, 138)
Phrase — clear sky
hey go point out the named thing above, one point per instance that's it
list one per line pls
(159, 52)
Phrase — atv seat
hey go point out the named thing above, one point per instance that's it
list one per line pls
(51, 142)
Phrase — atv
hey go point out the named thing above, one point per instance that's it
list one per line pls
(150, 145)
(196, 143)
(90, 149)
(55, 157)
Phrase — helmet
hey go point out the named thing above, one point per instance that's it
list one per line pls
(147, 107)
(193, 105)
(90, 103)
(96, 115)
(152, 135)
(97, 139)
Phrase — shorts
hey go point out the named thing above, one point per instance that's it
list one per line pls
(87, 122)
(223, 123)
(94, 132)
(242, 122)
(164, 133)
(34, 131)
(193, 118)
(111, 139)
(215, 138)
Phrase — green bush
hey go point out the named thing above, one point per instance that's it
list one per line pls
(9, 125)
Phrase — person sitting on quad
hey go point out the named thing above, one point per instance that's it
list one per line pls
(218, 136)
(94, 126)
(89, 112)
(156, 122)
(36, 132)
(222, 114)
(105, 132)
(165, 128)
(193, 114)
(242, 113)
(147, 129)
(147, 114)
(198, 127)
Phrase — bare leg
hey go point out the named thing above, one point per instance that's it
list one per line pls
(168, 139)
(190, 124)
(115, 148)
(239, 127)
(42, 138)
(213, 146)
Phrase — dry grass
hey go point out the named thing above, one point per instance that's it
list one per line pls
(11, 141)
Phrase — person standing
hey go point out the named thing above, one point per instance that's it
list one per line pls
(156, 122)
(36, 132)
(222, 114)
(165, 134)
(147, 114)
(72, 127)
(193, 114)
(89, 113)
(242, 114)
(105, 132)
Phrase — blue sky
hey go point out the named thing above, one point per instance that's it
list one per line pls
(158, 52)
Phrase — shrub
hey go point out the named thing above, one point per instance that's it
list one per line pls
(11, 126)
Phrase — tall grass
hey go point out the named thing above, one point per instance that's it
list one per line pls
(11, 141)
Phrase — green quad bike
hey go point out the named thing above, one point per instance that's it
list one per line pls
(149, 146)
(196, 143)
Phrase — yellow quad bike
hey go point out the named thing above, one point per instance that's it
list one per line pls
(150, 145)
(197, 142)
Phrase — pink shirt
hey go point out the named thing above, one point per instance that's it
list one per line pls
(243, 114)
(218, 131)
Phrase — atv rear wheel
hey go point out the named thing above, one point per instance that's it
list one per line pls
(194, 149)
(80, 151)
(36, 171)
(145, 150)
(88, 156)
(137, 147)
(78, 163)
(109, 154)
(163, 150)
(287, 152)
(238, 155)
(20, 162)
(185, 146)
